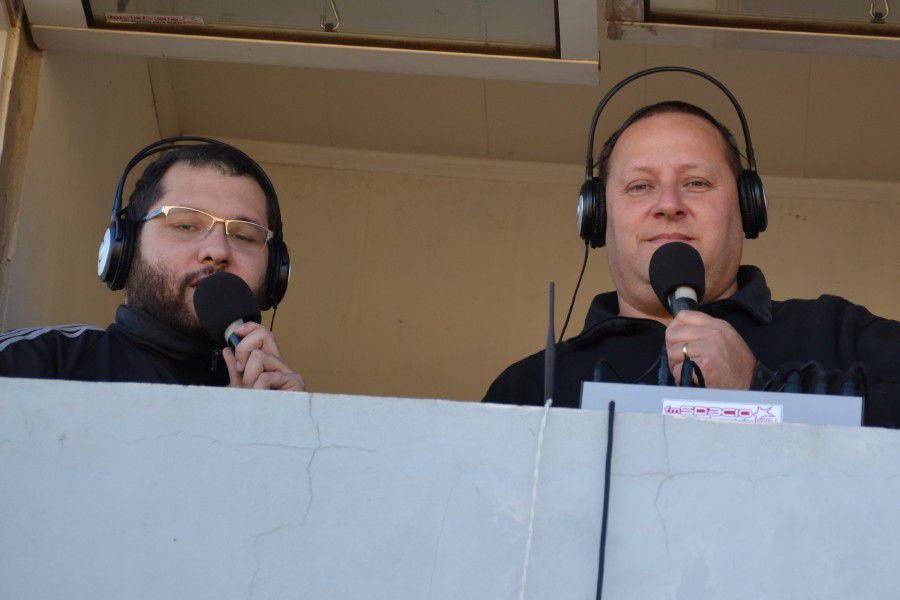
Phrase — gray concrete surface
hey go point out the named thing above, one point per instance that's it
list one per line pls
(136, 491)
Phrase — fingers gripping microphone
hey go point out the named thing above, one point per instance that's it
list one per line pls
(677, 276)
(224, 302)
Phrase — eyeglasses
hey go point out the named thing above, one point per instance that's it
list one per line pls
(190, 224)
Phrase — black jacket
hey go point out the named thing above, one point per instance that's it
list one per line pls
(829, 330)
(135, 348)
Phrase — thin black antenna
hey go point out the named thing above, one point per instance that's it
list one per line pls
(606, 480)
(550, 352)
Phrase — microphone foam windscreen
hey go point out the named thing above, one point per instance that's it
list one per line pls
(674, 265)
(220, 300)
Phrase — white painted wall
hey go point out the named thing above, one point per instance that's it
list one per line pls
(93, 113)
(414, 274)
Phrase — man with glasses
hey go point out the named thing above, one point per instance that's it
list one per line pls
(196, 210)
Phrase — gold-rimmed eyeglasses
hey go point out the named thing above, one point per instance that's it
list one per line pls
(190, 224)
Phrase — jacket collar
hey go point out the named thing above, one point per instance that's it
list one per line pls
(753, 297)
(144, 329)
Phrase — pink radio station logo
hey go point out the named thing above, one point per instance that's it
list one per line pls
(724, 411)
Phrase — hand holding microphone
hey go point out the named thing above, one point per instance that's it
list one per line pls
(229, 312)
(721, 353)
(677, 275)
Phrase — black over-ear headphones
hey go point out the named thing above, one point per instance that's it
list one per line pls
(592, 201)
(117, 247)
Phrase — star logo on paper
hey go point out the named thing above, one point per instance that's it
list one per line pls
(764, 414)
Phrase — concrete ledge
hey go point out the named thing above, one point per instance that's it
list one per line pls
(139, 491)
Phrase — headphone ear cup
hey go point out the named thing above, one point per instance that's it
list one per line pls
(127, 252)
(278, 274)
(592, 212)
(108, 254)
(754, 207)
(116, 249)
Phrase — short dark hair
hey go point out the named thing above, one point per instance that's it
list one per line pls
(732, 155)
(148, 188)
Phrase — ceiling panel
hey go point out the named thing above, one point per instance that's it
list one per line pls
(251, 101)
(480, 25)
(815, 116)
(823, 16)
(801, 9)
(854, 118)
(771, 88)
(549, 123)
(406, 113)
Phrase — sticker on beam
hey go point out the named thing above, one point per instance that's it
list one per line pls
(136, 19)
(736, 412)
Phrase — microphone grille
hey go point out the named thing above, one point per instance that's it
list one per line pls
(220, 300)
(674, 265)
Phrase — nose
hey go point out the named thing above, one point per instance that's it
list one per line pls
(669, 203)
(214, 249)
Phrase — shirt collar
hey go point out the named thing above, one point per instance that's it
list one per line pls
(144, 329)
(753, 297)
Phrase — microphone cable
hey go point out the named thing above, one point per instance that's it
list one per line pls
(794, 379)
(855, 383)
(819, 381)
(603, 362)
(663, 377)
(688, 369)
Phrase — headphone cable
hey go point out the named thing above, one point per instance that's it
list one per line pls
(272, 322)
(575, 293)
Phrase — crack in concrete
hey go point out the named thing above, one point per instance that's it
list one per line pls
(766, 478)
(437, 544)
(743, 478)
(319, 447)
(194, 436)
(314, 450)
(669, 476)
(665, 432)
(257, 565)
(345, 447)
(23, 443)
(659, 514)
(648, 475)
(312, 457)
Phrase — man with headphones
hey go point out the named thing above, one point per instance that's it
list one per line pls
(672, 173)
(201, 207)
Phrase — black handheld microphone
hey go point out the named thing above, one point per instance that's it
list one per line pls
(677, 276)
(224, 302)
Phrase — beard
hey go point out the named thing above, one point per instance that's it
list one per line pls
(160, 292)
